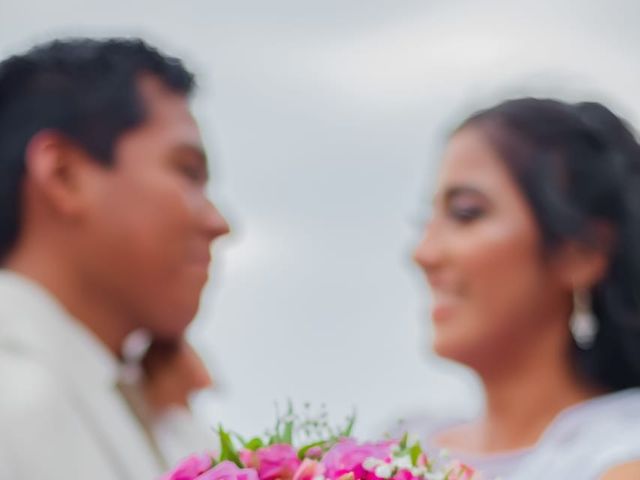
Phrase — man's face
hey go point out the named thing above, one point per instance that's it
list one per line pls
(150, 224)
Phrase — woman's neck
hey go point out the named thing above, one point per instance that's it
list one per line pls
(521, 404)
(524, 394)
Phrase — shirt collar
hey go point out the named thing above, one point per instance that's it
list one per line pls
(32, 318)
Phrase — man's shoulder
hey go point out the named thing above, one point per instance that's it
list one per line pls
(36, 407)
(30, 388)
(44, 434)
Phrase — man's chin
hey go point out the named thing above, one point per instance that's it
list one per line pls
(172, 330)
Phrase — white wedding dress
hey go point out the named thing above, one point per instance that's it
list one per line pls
(583, 442)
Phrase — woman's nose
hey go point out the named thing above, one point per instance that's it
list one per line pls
(428, 252)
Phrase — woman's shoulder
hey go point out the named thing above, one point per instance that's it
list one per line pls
(430, 426)
(591, 438)
(619, 410)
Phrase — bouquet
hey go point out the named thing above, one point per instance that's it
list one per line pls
(308, 448)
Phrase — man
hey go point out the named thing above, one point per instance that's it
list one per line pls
(105, 230)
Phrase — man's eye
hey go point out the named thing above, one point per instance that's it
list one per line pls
(192, 172)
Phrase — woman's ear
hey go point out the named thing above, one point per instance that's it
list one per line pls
(581, 265)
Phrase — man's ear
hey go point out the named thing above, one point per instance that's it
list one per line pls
(54, 167)
(582, 265)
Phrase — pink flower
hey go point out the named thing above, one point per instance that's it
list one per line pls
(228, 471)
(314, 452)
(190, 468)
(249, 458)
(277, 462)
(308, 470)
(348, 456)
(404, 475)
(461, 471)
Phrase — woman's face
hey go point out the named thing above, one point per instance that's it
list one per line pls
(491, 287)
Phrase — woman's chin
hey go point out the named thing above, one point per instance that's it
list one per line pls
(454, 349)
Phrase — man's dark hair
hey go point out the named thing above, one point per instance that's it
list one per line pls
(85, 89)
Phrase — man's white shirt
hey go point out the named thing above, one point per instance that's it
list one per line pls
(62, 413)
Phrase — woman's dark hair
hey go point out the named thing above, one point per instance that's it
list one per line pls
(579, 167)
(85, 89)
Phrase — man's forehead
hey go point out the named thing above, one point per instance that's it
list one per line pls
(160, 101)
(167, 111)
(151, 86)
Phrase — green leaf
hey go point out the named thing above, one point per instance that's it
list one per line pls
(254, 444)
(227, 450)
(403, 442)
(287, 436)
(240, 438)
(275, 438)
(303, 451)
(348, 429)
(415, 452)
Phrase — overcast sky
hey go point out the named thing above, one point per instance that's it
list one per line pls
(325, 120)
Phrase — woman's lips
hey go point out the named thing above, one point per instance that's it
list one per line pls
(444, 305)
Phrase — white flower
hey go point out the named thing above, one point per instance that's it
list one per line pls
(418, 471)
(319, 477)
(435, 476)
(384, 471)
(371, 463)
(403, 462)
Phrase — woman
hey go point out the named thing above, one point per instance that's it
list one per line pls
(533, 259)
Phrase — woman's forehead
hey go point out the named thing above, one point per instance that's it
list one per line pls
(469, 158)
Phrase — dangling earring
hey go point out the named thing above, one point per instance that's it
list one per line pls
(583, 323)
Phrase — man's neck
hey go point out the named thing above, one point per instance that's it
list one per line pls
(86, 303)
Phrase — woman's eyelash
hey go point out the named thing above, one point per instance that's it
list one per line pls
(467, 214)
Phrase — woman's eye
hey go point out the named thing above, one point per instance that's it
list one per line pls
(466, 213)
